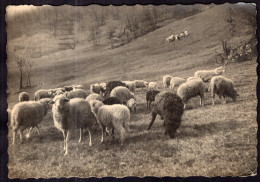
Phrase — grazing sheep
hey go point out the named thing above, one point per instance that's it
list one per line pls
(141, 83)
(170, 107)
(191, 78)
(23, 96)
(170, 38)
(177, 37)
(77, 87)
(223, 87)
(182, 35)
(114, 117)
(166, 81)
(122, 93)
(191, 89)
(131, 104)
(94, 96)
(76, 93)
(131, 85)
(43, 94)
(150, 96)
(111, 101)
(112, 84)
(28, 115)
(175, 82)
(72, 114)
(95, 105)
(95, 88)
(152, 86)
(186, 33)
(206, 75)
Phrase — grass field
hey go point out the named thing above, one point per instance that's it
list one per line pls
(215, 140)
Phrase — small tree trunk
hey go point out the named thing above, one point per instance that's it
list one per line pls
(21, 79)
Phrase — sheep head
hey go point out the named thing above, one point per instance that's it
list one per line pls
(60, 102)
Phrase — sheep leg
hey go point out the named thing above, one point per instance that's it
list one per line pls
(37, 128)
(102, 130)
(80, 133)
(121, 130)
(202, 100)
(90, 141)
(225, 99)
(213, 99)
(29, 132)
(184, 107)
(153, 118)
(64, 138)
(14, 134)
(67, 138)
(220, 97)
(21, 136)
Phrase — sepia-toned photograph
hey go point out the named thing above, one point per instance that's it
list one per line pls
(143, 90)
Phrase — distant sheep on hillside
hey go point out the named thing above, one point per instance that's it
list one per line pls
(122, 93)
(40, 94)
(223, 87)
(141, 83)
(170, 38)
(131, 85)
(112, 84)
(95, 88)
(23, 96)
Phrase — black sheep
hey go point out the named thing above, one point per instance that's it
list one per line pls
(111, 101)
(170, 107)
(150, 96)
(111, 85)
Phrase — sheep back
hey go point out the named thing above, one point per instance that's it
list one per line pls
(176, 81)
(122, 93)
(77, 93)
(111, 85)
(42, 94)
(23, 96)
(94, 96)
(191, 89)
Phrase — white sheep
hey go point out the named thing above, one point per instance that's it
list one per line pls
(72, 114)
(177, 37)
(191, 89)
(141, 83)
(186, 33)
(166, 81)
(131, 104)
(131, 85)
(43, 93)
(175, 82)
(206, 75)
(77, 87)
(113, 117)
(152, 86)
(95, 88)
(170, 38)
(182, 35)
(191, 78)
(76, 93)
(223, 87)
(23, 96)
(28, 114)
(122, 93)
(94, 96)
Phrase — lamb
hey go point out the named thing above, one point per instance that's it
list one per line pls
(131, 85)
(111, 101)
(141, 83)
(175, 82)
(114, 117)
(131, 104)
(166, 81)
(43, 94)
(112, 84)
(23, 96)
(28, 115)
(95, 88)
(77, 93)
(191, 89)
(206, 75)
(152, 86)
(72, 114)
(94, 96)
(150, 96)
(223, 87)
(122, 93)
(170, 107)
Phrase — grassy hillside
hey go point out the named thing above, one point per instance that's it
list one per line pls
(211, 141)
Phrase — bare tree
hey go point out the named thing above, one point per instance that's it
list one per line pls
(28, 70)
(21, 63)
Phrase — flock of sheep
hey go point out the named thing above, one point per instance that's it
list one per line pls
(172, 38)
(110, 104)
